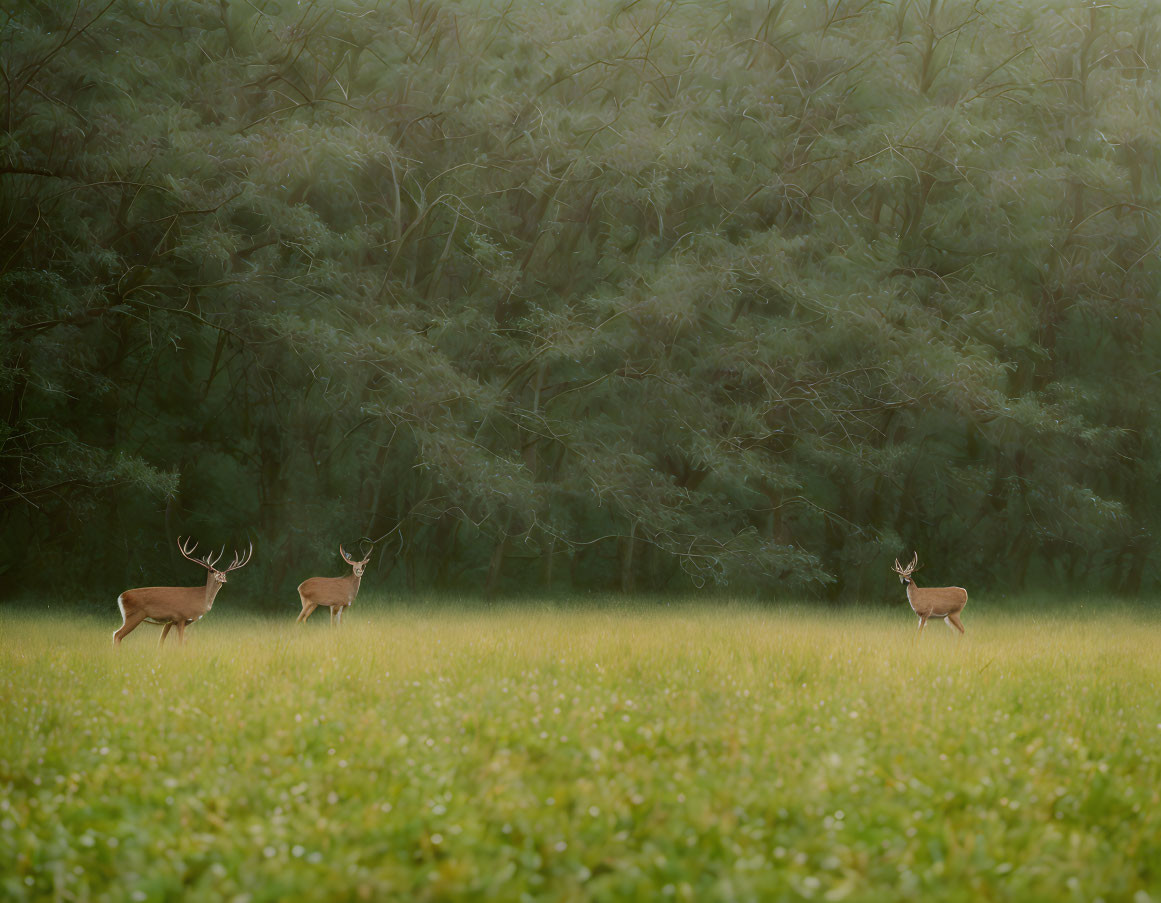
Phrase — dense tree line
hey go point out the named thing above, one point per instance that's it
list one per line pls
(642, 295)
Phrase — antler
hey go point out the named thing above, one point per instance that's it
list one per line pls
(205, 562)
(899, 569)
(347, 556)
(209, 560)
(240, 562)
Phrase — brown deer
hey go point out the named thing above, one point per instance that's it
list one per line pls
(175, 605)
(336, 593)
(932, 602)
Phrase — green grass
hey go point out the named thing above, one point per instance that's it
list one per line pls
(684, 752)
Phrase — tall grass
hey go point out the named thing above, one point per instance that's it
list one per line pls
(683, 752)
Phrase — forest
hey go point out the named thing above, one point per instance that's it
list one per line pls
(746, 296)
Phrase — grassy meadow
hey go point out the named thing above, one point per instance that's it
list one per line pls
(681, 752)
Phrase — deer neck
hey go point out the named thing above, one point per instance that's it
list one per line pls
(212, 587)
(355, 581)
(912, 592)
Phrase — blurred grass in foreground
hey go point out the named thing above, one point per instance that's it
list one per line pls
(686, 752)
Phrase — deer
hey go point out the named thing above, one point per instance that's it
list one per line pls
(336, 593)
(932, 602)
(177, 606)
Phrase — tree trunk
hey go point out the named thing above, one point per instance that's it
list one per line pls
(628, 544)
(574, 561)
(548, 556)
(496, 566)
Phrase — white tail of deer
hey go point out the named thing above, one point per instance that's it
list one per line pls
(335, 593)
(175, 605)
(932, 601)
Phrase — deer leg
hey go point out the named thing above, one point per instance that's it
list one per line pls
(164, 633)
(954, 620)
(181, 632)
(922, 624)
(332, 616)
(131, 622)
(341, 610)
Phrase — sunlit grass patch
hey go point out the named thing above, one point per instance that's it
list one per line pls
(690, 752)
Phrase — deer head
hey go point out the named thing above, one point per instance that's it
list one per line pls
(905, 572)
(359, 566)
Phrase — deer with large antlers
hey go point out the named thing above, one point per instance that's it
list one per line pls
(932, 601)
(335, 593)
(176, 606)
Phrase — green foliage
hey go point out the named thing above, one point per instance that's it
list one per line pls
(690, 753)
(757, 295)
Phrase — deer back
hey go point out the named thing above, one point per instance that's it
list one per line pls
(937, 600)
(330, 590)
(169, 603)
